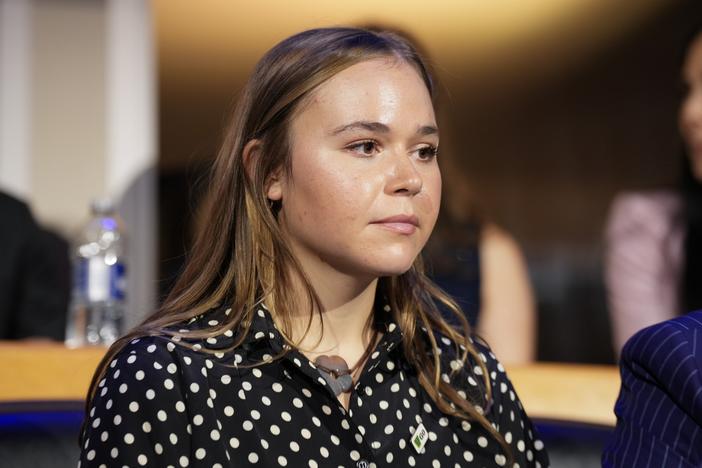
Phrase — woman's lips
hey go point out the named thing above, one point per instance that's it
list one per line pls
(401, 224)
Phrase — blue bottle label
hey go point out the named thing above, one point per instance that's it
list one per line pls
(97, 281)
(118, 281)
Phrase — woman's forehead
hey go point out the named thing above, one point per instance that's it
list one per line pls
(387, 90)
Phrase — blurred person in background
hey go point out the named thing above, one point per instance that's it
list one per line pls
(653, 266)
(34, 276)
(482, 267)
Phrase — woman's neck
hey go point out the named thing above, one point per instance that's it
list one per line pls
(341, 323)
(344, 326)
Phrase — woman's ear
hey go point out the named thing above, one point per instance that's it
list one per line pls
(274, 187)
(250, 153)
(273, 184)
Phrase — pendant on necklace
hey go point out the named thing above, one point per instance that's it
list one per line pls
(336, 372)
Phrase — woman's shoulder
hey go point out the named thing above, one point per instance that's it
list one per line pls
(477, 363)
(150, 393)
(201, 332)
(656, 197)
(150, 371)
(170, 350)
(657, 206)
(150, 347)
(188, 350)
(498, 247)
(648, 215)
(485, 378)
(496, 371)
(141, 362)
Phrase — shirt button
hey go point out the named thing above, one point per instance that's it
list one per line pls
(361, 464)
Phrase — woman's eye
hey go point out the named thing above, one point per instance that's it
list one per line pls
(364, 148)
(427, 153)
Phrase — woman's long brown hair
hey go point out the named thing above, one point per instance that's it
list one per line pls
(239, 255)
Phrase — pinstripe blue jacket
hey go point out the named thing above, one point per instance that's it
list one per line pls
(659, 410)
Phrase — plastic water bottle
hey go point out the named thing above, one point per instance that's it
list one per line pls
(96, 314)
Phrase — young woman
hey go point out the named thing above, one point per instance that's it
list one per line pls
(303, 332)
(654, 258)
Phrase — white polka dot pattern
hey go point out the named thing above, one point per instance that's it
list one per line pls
(162, 404)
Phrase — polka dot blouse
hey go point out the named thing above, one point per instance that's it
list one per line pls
(163, 404)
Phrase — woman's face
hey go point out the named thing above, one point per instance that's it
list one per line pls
(364, 189)
(691, 110)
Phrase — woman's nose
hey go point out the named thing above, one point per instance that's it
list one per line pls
(403, 176)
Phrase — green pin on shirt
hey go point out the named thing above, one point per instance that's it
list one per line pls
(419, 438)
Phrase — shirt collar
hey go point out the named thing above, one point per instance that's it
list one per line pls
(263, 331)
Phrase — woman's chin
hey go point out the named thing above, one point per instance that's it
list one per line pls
(395, 268)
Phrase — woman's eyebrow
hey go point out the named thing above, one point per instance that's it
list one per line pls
(363, 125)
(427, 130)
(380, 128)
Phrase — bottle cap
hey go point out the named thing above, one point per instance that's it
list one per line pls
(102, 206)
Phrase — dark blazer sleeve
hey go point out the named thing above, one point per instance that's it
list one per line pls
(659, 409)
(45, 286)
(34, 275)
